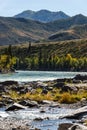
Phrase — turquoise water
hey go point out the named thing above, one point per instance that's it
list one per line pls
(27, 76)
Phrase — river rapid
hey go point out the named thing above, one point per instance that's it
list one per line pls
(50, 119)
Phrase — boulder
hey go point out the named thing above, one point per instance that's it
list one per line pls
(42, 85)
(85, 81)
(17, 88)
(59, 84)
(77, 127)
(38, 119)
(77, 114)
(23, 91)
(15, 106)
(65, 126)
(70, 126)
(42, 111)
(80, 77)
(67, 88)
(77, 81)
(83, 99)
(9, 83)
(50, 88)
(54, 104)
(8, 101)
(2, 104)
(2, 89)
(6, 97)
(44, 91)
(46, 102)
(29, 103)
(20, 128)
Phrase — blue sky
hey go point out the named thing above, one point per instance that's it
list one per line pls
(70, 7)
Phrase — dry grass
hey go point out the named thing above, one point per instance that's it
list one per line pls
(54, 95)
(67, 98)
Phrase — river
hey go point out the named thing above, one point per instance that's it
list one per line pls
(27, 76)
(50, 119)
(51, 116)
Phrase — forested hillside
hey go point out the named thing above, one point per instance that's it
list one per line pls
(65, 56)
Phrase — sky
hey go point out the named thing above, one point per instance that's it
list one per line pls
(70, 7)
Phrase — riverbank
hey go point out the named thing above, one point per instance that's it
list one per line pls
(62, 91)
(47, 96)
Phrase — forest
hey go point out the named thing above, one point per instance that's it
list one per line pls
(39, 58)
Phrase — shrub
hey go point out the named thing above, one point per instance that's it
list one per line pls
(67, 98)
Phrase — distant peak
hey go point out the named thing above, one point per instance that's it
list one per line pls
(43, 10)
(79, 15)
(28, 11)
(42, 15)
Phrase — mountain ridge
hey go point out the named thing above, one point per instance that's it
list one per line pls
(20, 30)
(42, 15)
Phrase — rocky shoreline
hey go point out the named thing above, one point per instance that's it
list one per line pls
(13, 124)
(21, 93)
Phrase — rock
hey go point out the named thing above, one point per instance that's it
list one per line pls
(17, 88)
(77, 81)
(2, 104)
(20, 128)
(42, 110)
(38, 119)
(77, 127)
(54, 104)
(42, 85)
(1, 88)
(64, 126)
(44, 91)
(6, 96)
(23, 91)
(9, 83)
(85, 81)
(29, 103)
(6, 99)
(46, 102)
(50, 88)
(67, 88)
(61, 80)
(59, 84)
(70, 126)
(77, 114)
(15, 106)
(83, 99)
(80, 77)
(10, 101)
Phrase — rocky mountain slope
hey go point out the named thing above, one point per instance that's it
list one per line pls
(20, 30)
(75, 32)
(42, 15)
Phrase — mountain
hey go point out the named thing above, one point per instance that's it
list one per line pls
(72, 28)
(64, 35)
(67, 23)
(20, 30)
(42, 15)
(75, 32)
